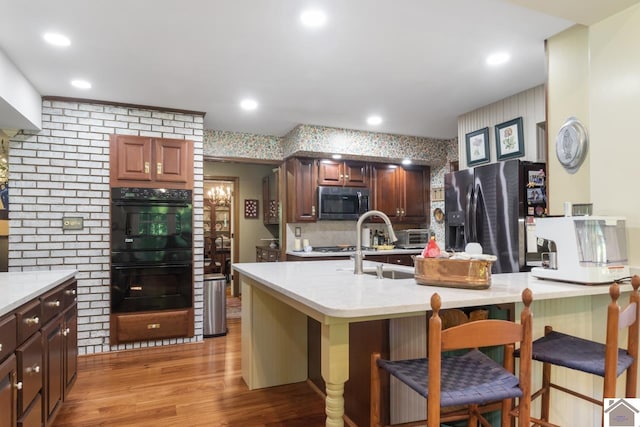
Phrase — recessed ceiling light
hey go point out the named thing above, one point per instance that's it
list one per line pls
(57, 39)
(406, 161)
(81, 84)
(336, 156)
(313, 18)
(374, 120)
(498, 58)
(249, 104)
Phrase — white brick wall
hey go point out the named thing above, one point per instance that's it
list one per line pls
(63, 170)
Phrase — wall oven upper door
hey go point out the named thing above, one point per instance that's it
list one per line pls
(146, 219)
(342, 202)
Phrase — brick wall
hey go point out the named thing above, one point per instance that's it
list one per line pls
(63, 170)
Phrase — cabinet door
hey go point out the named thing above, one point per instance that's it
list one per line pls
(356, 174)
(385, 190)
(70, 334)
(301, 189)
(415, 195)
(8, 393)
(330, 173)
(53, 366)
(132, 157)
(29, 358)
(172, 160)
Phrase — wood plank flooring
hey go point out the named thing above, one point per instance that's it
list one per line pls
(183, 385)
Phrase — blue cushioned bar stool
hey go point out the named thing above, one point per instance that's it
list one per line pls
(468, 380)
(605, 360)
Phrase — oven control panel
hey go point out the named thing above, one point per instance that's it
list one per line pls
(138, 193)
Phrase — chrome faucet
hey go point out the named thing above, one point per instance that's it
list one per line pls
(358, 257)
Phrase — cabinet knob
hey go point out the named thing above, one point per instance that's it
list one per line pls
(32, 320)
(313, 210)
(346, 177)
(18, 385)
(0, 346)
(70, 292)
(153, 326)
(159, 168)
(402, 212)
(54, 303)
(35, 369)
(66, 332)
(397, 211)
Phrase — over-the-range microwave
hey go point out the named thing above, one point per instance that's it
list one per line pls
(337, 203)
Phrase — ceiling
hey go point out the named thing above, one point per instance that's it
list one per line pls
(417, 63)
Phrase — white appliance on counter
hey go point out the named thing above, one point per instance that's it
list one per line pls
(588, 250)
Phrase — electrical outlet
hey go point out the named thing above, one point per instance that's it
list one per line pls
(298, 232)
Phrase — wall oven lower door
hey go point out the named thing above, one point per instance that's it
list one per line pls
(145, 287)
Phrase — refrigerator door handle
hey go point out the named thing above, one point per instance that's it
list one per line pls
(473, 225)
(467, 213)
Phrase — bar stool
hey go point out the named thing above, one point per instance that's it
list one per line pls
(605, 360)
(471, 379)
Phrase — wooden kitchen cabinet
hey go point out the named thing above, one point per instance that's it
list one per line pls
(348, 173)
(36, 376)
(401, 192)
(8, 392)
(270, 199)
(138, 161)
(302, 189)
(151, 325)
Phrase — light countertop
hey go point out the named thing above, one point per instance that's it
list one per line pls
(331, 288)
(18, 288)
(316, 254)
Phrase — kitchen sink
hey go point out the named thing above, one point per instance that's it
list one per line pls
(393, 274)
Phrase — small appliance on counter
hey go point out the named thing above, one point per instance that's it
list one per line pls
(589, 250)
(415, 238)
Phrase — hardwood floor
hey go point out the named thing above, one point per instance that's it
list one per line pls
(183, 385)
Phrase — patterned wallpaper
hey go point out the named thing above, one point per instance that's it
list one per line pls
(311, 140)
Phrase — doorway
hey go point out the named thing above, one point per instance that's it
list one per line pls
(219, 223)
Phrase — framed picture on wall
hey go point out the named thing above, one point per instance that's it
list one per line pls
(509, 139)
(477, 144)
(251, 208)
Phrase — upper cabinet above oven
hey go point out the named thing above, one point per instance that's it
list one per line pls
(151, 162)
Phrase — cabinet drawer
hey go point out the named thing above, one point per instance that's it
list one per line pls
(33, 416)
(29, 318)
(400, 260)
(151, 325)
(29, 357)
(52, 304)
(70, 294)
(8, 335)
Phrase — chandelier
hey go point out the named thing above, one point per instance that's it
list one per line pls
(220, 195)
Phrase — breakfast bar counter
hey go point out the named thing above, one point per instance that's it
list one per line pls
(277, 298)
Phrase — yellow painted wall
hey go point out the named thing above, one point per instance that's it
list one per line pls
(594, 72)
(567, 95)
(615, 116)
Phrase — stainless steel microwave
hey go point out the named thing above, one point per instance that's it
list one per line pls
(337, 203)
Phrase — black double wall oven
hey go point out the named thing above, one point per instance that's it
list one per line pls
(151, 249)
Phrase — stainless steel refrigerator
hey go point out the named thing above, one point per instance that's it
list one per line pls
(496, 205)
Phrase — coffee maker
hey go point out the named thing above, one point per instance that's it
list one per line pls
(589, 250)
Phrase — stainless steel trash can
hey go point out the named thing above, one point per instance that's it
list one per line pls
(215, 305)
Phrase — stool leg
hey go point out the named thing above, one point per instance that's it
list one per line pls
(546, 391)
(375, 391)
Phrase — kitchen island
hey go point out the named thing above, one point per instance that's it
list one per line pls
(278, 297)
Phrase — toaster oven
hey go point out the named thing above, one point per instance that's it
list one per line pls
(415, 238)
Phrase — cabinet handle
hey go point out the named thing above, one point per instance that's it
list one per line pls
(35, 369)
(146, 167)
(346, 177)
(18, 385)
(0, 346)
(66, 332)
(341, 176)
(136, 288)
(70, 292)
(32, 321)
(159, 168)
(313, 210)
(153, 326)
(397, 211)
(54, 303)
(402, 212)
